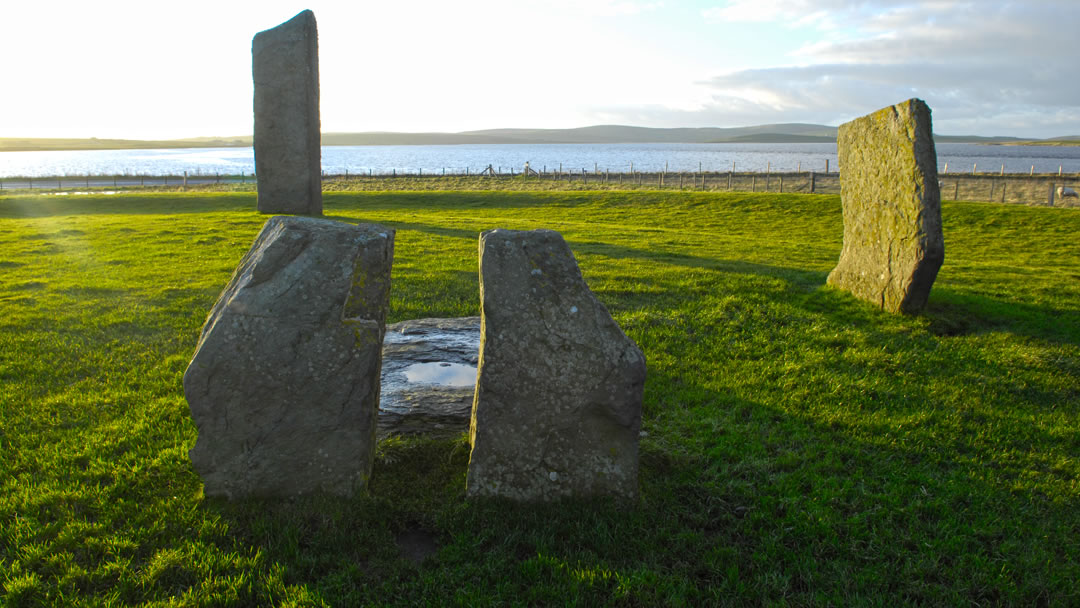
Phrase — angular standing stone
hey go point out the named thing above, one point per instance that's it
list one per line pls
(893, 245)
(288, 160)
(559, 386)
(284, 383)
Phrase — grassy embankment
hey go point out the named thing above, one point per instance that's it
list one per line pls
(802, 447)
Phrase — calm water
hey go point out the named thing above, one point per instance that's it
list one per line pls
(575, 157)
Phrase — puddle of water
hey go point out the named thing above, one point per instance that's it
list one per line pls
(441, 372)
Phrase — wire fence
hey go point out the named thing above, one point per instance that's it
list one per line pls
(990, 187)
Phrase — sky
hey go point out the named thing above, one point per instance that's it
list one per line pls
(160, 70)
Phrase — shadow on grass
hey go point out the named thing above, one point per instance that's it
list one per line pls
(128, 204)
(950, 313)
(953, 313)
(170, 203)
(738, 499)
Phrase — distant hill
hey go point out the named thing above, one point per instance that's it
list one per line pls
(37, 144)
(1068, 140)
(618, 134)
(599, 134)
(974, 139)
(779, 138)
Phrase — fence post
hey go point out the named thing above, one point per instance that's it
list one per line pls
(991, 199)
(1050, 198)
(1003, 184)
(753, 183)
(31, 182)
(781, 183)
(729, 174)
(956, 190)
(680, 180)
(812, 182)
(826, 165)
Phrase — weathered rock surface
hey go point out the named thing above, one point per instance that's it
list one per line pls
(429, 377)
(284, 383)
(288, 159)
(557, 410)
(893, 245)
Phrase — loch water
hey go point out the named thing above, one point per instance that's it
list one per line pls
(435, 159)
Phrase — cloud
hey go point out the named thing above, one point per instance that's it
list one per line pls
(989, 68)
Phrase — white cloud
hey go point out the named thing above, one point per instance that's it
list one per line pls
(984, 67)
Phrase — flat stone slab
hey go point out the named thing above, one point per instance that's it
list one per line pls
(893, 244)
(284, 383)
(429, 377)
(557, 410)
(287, 137)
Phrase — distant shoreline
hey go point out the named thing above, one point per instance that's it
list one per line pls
(1037, 142)
(596, 135)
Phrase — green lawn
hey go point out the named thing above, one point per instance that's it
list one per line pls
(802, 447)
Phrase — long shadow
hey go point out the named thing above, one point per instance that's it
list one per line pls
(950, 312)
(728, 482)
(460, 233)
(144, 204)
(618, 251)
(164, 203)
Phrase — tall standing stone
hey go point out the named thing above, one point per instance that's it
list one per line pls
(284, 383)
(557, 409)
(893, 245)
(288, 159)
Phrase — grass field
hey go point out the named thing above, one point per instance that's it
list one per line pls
(802, 447)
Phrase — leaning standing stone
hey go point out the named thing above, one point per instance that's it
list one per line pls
(288, 160)
(893, 245)
(284, 384)
(557, 409)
